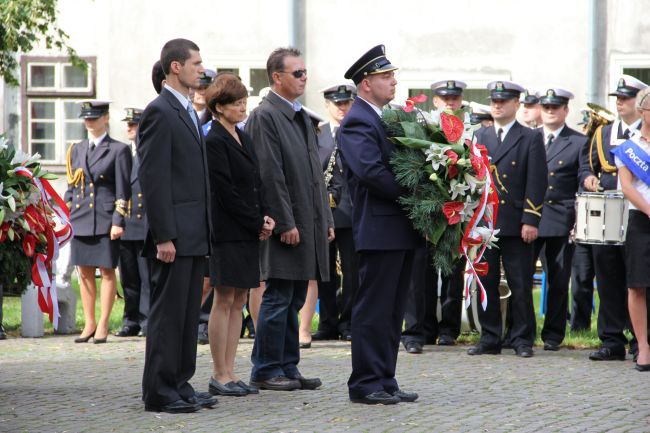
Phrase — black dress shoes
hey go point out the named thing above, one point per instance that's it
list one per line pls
(203, 399)
(524, 352)
(407, 397)
(3, 334)
(85, 339)
(446, 340)
(413, 347)
(128, 331)
(607, 354)
(306, 383)
(323, 335)
(179, 406)
(203, 334)
(553, 347)
(346, 335)
(278, 383)
(377, 397)
(642, 367)
(143, 332)
(305, 344)
(249, 389)
(483, 349)
(229, 389)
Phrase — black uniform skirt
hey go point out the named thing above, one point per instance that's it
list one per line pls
(97, 251)
(235, 264)
(637, 250)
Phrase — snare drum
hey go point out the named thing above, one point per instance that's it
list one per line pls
(601, 218)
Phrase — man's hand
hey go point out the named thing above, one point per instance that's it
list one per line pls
(166, 252)
(290, 237)
(330, 234)
(267, 228)
(591, 183)
(116, 232)
(528, 233)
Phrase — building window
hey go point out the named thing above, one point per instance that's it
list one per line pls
(52, 88)
(642, 74)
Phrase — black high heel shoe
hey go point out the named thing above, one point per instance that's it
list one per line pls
(86, 338)
(100, 340)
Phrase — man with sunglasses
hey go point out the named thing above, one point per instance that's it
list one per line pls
(287, 148)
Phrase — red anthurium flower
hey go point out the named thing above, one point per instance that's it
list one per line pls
(452, 210)
(452, 126)
(34, 218)
(410, 102)
(29, 244)
(481, 268)
(482, 149)
(478, 166)
(452, 171)
(453, 156)
(470, 241)
(4, 228)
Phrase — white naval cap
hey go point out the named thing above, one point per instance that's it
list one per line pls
(339, 92)
(555, 96)
(448, 87)
(628, 86)
(501, 89)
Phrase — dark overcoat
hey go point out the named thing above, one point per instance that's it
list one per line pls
(562, 159)
(294, 188)
(99, 200)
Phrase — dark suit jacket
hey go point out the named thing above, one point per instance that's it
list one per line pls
(174, 178)
(135, 220)
(562, 159)
(378, 221)
(236, 188)
(338, 186)
(102, 200)
(519, 171)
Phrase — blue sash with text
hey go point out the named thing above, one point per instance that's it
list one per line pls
(635, 159)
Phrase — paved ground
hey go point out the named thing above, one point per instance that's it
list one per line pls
(53, 385)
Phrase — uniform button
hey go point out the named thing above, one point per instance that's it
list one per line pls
(101, 176)
(90, 205)
(92, 185)
(514, 163)
(551, 173)
(139, 205)
(77, 206)
(614, 174)
(505, 176)
(92, 194)
(503, 202)
(139, 195)
(560, 162)
(550, 202)
(551, 187)
(78, 195)
(139, 216)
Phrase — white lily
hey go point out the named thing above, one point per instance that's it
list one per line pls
(473, 182)
(489, 236)
(436, 154)
(457, 188)
(4, 143)
(22, 158)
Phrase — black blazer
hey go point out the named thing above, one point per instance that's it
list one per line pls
(101, 201)
(238, 206)
(173, 174)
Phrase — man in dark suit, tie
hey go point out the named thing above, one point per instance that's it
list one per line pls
(174, 179)
(563, 146)
(383, 235)
(518, 165)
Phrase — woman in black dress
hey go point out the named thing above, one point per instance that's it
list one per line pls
(239, 223)
(98, 171)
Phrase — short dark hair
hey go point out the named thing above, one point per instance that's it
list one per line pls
(225, 89)
(176, 50)
(275, 62)
(157, 76)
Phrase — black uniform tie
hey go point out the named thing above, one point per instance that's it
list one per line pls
(549, 141)
(92, 146)
(626, 134)
(499, 135)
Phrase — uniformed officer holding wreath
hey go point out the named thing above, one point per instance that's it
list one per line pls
(98, 170)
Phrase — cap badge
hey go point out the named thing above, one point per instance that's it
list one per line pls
(499, 86)
(550, 93)
(621, 82)
(451, 84)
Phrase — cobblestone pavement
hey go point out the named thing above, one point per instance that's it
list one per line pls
(54, 385)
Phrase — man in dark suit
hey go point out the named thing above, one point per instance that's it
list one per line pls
(518, 165)
(383, 235)
(335, 319)
(563, 146)
(134, 269)
(174, 179)
(598, 172)
(286, 146)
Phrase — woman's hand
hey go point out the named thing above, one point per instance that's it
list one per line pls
(116, 232)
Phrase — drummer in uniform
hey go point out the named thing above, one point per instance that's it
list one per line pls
(563, 146)
(520, 174)
(134, 269)
(98, 171)
(597, 173)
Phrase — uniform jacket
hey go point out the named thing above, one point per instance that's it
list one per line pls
(563, 161)
(173, 174)
(294, 188)
(337, 187)
(99, 198)
(378, 221)
(135, 220)
(238, 206)
(519, 171)
(590, 158)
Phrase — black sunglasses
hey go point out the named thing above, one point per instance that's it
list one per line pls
(297, 73)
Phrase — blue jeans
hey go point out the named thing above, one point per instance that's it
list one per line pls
(276, 351)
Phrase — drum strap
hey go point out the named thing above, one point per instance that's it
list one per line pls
(635, 159)
(604, 162)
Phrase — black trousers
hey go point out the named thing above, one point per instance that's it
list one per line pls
(170, 355)
(335, 318)
(134, 275)
(517, 258)
(582, 287)
(420, 312)
(558, 254)
(377, 317)
(452, 305)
